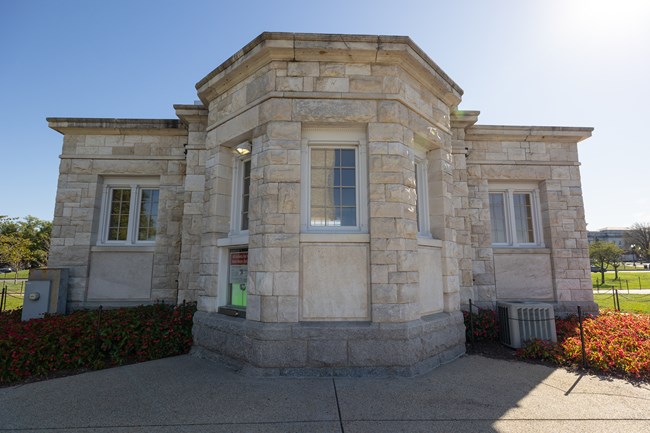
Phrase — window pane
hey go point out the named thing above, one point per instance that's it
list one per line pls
(498, 218)
(318, 217)
(119, 217)
(148, 217)
(417, 195)
(348, 197)
(523, 218)
(349, 216)
(245, 195)
(318, 178)
(348, 158)
(333, 188)
(318, 158)
(348, 177)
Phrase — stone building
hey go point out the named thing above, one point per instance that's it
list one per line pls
(326, 204)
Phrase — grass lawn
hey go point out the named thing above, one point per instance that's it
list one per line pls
(14, 293)
(21, 275)
(633, 280)
(629, 303)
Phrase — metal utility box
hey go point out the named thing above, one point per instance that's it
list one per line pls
(37, 299)
(47, 283)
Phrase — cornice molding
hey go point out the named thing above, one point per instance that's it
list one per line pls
(527, 133)
(269, 47)
(81, 126)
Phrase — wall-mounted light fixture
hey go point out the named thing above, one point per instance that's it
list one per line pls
(242, 149)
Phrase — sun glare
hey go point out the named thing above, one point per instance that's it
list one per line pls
(600, 23)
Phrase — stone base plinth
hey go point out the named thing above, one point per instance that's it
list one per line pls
(330, 348)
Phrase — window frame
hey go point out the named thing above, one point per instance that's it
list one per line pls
(421, 168)
(136, 186)
(335, 138)
(237, 195)
(508, 191)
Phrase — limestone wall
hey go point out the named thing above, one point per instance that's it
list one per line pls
(194, 118)
(558, 271)
(94, 152)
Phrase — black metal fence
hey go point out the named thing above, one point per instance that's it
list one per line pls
(18, 291)
(615, 296)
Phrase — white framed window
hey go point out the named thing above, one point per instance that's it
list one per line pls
(422, 197)
(129, 212)
(240, 196)
(334, 180)
(515, 216)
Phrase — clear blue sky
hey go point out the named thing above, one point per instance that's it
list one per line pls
(536, 62)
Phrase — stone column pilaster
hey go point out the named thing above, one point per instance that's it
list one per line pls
(393, 225)
(274, 231)
(195, 118)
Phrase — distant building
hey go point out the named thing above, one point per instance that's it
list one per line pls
(608, 234)
(615, 235)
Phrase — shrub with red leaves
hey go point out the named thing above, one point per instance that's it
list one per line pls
(615, 342)
(91, 339)
(484, 324)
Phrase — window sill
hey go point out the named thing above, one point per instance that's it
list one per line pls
(429, 242)
(232, 311)
(340, 238)
(239, 239)
(127, 248)
(520, 250)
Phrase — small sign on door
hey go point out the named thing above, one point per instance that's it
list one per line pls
(238, 267)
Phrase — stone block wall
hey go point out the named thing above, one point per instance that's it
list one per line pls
(547, 157)
(95, 150)
(194, 117)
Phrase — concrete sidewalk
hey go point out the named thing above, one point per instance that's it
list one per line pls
(186, 394)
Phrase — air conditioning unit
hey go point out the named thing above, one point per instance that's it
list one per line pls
(522, 321)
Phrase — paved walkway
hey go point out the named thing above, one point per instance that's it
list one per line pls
(185, 394)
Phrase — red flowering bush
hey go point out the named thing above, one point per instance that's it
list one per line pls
(91, 339)
(615, 342)
(543, 350)
(484, 324)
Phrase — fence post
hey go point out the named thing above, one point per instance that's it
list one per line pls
(582, 339)
(471, 323)
(618, 301)
(3, 298)
(98, 342)
(639, 281)
(627, 283)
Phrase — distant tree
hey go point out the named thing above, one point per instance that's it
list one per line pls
(639, 236)
(34, 230)
(14, 250)
(38, 232)
(603, 255)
